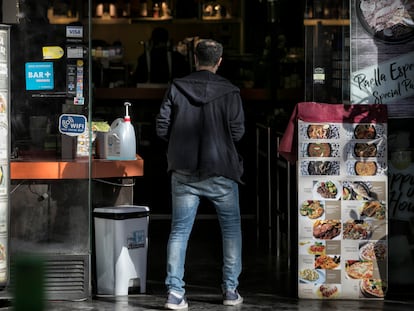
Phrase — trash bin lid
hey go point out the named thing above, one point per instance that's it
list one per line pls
(121, 212)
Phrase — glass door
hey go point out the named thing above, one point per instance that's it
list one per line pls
(327, 51)
(50, 141)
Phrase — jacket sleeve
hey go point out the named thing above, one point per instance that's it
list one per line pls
(163, 119)
(237, 118)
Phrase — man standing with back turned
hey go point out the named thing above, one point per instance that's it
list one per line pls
(202, 119)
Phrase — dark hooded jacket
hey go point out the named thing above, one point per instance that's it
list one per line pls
(202, 118)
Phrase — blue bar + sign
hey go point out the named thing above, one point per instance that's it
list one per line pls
(39, 76)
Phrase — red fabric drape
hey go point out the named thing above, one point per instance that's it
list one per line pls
(321, 113)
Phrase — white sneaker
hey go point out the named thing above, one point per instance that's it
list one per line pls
(232, 298)
(176, 302)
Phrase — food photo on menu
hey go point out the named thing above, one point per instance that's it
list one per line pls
(367, 273)
(387, 20)
(357, 190)
(342, 210)
(3, 179)
(3, 255)
(319, 167)
(373, 167)
(328, 291)
(311, 247)
(327, 190)
(316, 149)
(317, 248)
(365, 131)
(312, 209)
(373, 288)
(365, 150)
(3, 103)
(327, 229)
(327, 262)
(365, 168)
(3, 260)
(320, 131)
(355, 229)
(311, 276)
(373, 250)
(359, 269)
(373, 210)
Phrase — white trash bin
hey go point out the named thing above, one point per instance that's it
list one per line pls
(121, 246)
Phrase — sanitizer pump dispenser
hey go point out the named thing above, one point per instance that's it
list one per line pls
(121, 138)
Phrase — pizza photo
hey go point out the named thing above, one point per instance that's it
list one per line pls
(373, 251)
(359, 269)
(373, 288)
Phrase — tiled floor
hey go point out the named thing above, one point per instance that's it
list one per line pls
(212, 302)
(265, 282)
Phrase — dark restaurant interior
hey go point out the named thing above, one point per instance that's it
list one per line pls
(270, 50)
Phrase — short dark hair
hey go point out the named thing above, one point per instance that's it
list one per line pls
(208, 52)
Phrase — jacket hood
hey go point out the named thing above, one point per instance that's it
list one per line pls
(203, 86)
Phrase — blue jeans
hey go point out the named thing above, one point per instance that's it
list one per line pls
(186, 193)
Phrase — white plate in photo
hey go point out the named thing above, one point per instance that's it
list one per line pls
(311, 276)
(327, 190)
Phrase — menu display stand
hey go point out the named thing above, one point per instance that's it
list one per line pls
(341, 157)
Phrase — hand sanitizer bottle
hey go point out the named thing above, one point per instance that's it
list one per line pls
(121, 138)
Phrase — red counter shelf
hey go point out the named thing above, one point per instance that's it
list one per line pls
(76, 169)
